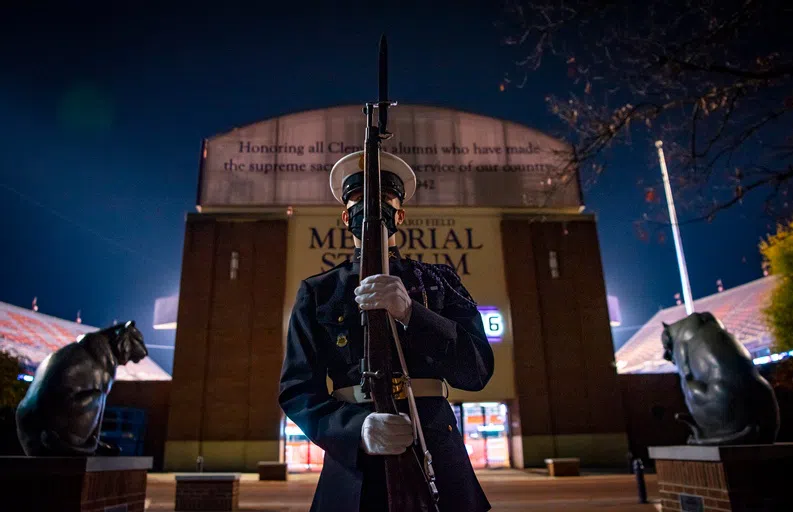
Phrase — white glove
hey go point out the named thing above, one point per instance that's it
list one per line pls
(387, 292)
(386, 434)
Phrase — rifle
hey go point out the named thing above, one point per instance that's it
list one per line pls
(410, 484)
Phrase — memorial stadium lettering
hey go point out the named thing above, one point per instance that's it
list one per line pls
(441, 243)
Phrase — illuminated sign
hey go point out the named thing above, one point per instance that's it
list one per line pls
(165, 311)
(286, 160)
(493, 321)
(615, 315)
(773, 358)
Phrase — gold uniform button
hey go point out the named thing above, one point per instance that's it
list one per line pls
(450, 428)
(341, 341)
(341, 319)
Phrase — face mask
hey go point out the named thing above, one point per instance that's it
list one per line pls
(356, 218)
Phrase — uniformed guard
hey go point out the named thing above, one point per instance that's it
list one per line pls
(443, 339)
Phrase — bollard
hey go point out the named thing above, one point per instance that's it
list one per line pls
(638, 470)
(199, 464)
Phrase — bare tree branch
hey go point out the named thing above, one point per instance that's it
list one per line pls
(712, 78)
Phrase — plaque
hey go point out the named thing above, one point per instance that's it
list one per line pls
(690, 503)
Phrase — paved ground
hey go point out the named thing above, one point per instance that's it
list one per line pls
(508, 491)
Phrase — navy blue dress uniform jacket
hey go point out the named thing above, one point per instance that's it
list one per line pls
(443, 340)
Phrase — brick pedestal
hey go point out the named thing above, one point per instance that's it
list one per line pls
(272, 470)
(563, 467)
(74, 484)
(208, 491)
(724, 478)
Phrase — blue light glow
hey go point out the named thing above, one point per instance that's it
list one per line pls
(490, 428)
(772, 358)
(493, 322)
(293, 431)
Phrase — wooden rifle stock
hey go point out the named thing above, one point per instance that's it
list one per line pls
(406, 480)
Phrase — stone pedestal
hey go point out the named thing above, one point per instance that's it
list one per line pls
(208, 491)
(563, 466)
(272, 470)
(74, 484)
(724, 478)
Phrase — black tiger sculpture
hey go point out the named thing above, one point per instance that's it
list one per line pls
(728, 400)
(61, 414)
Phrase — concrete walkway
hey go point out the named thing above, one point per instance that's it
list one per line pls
(508, 490)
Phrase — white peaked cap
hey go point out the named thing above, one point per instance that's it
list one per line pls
(353, 164)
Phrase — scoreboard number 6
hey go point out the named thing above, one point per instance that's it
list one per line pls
(493, 323)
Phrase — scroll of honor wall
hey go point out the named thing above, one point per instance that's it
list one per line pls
(495, 200)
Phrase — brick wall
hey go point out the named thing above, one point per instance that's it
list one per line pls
(565, 379)
(704, 479)
(741, 484)
(532, 407)
(108, 488)
(195, 293)
(650, 402)
(229, 345)
(207, 495)
(154, 397)
(57, 488)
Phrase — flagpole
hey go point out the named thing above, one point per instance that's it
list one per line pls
(681, 258)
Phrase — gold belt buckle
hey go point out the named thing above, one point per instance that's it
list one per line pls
(398, 388)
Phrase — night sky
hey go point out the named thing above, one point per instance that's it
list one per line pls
(102, 113)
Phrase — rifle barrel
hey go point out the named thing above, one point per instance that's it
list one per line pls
(383, 86)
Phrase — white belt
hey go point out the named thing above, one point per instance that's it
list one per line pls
(420, 387)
